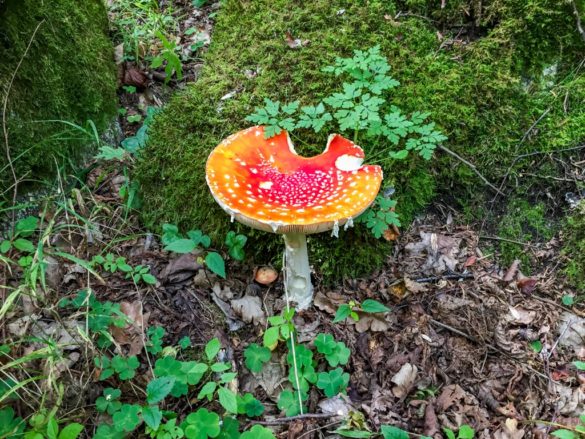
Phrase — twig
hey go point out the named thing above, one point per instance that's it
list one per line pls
(421, 280)
(531, 154)
(512, 241)
(471, 166)
(289, 419)
(4, 124)
(322, 427)
(578, 18)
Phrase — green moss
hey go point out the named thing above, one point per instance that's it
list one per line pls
(68, 74)
(523, 222)
(475, 91)
(573, 238)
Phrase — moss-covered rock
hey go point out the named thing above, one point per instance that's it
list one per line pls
(68, 74)
(482, 90)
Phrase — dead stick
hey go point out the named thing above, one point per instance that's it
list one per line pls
(471, 166)
(289, 419)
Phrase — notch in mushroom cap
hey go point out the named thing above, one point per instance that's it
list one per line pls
(266, 185)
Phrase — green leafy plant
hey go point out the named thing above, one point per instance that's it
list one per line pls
(256, 356)
(279, 330)
(235, 244)
(335, 352)
(168, 55)
(361, 107)
(178, 243)
(114, 264)
(465, 432)
(108, 403)
(18, 241)
(352, 308)
(380, 216)
(333, 382)
(100, 315)
(275, 117)
(124, 367)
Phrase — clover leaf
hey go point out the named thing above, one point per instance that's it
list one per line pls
(288, 401)
(249, 405)
(127, 418)
(256, 356)
(201, 425)
(109, 402)
(333, 382)
(158, 389)
(258, 432)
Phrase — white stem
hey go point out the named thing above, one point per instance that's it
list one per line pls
(298, 273)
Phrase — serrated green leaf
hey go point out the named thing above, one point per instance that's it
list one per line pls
(158, 389)
(152, 416)
(24, 245)
(212, 348)
(228, 400)
(207, 390)
(71, 431)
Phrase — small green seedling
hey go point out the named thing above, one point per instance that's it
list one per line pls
(352, 308)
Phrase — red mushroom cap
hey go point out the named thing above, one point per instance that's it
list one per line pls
(264, 184)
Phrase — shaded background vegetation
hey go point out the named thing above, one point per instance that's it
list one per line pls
(68, 74)
(486, 70)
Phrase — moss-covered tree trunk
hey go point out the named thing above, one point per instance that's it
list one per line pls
(68, 74)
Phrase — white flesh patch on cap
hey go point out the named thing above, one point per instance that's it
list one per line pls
(348, 162)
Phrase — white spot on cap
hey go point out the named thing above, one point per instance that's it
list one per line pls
(348, 162)
(266, 185)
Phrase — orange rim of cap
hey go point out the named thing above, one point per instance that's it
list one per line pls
(265, 184)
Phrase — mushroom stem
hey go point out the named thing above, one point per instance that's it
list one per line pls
(298, 274)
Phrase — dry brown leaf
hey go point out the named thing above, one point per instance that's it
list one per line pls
(519, 315)
(132, 333)
(404, 380)
(448, 396)
(371, 322)
(324, 303)
(414, 286)
(249, 308)
(511, 273)
(509, 430)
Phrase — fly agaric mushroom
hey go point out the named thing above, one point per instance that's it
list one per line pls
(264, 184)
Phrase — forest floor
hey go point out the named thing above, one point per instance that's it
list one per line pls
(467, 341)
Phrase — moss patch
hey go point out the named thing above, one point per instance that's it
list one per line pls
(477, 91)
(68, 74)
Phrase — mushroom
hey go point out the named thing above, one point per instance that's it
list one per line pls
(264, 184)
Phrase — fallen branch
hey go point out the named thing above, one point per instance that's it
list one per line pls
(472, 167)
(444, 276)
(289, 419)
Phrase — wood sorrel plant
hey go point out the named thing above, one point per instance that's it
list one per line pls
(362, 108)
